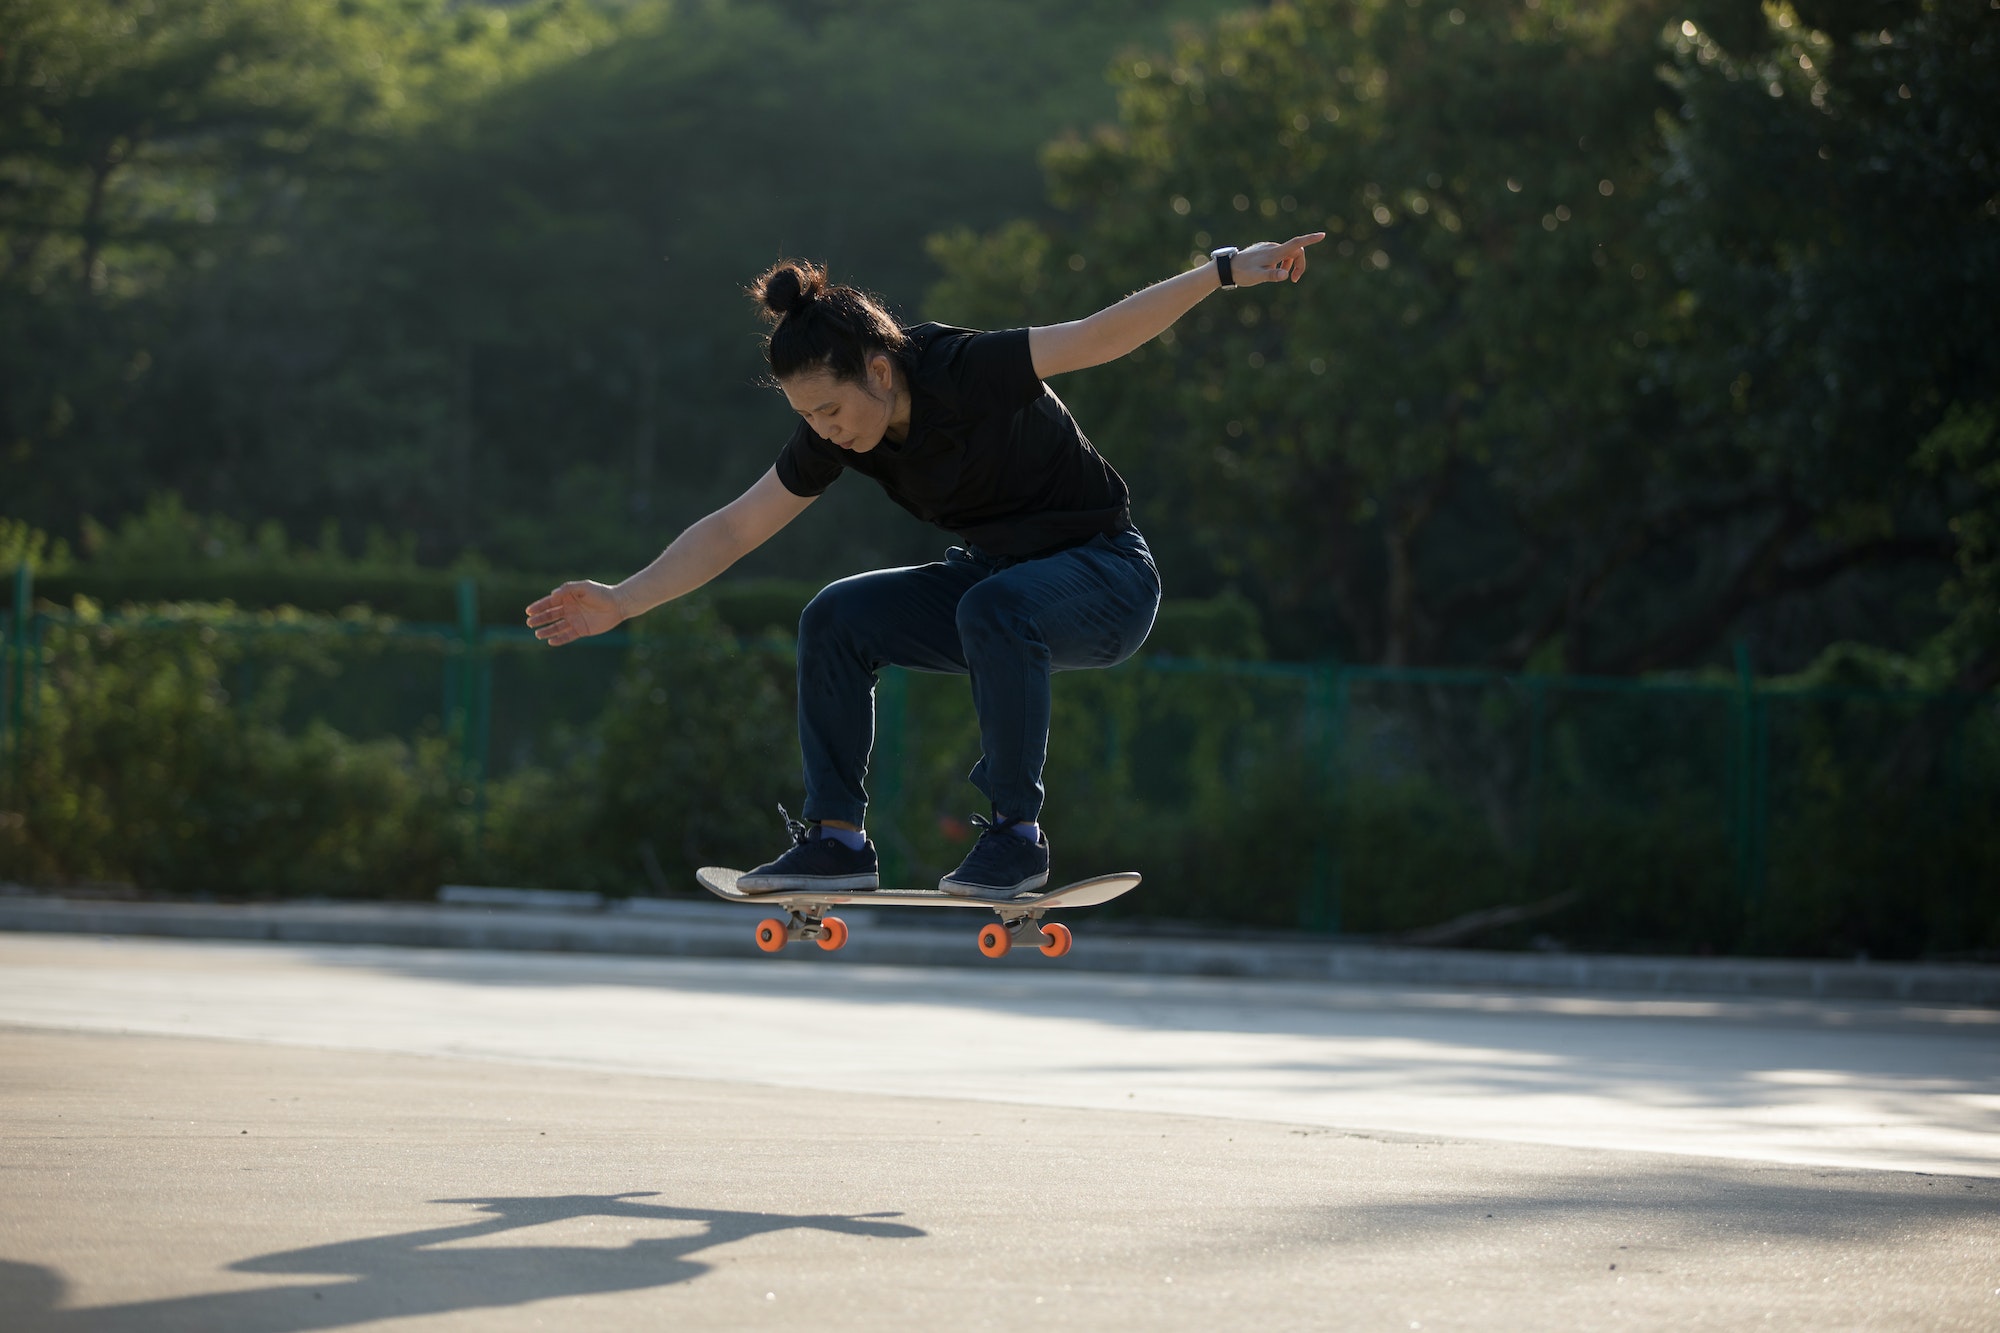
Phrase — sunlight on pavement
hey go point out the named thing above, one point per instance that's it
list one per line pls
(1836, 1085)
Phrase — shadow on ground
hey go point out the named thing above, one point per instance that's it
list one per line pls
(413, 1273)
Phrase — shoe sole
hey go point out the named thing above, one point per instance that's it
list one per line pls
(806, 884)
(995, 892)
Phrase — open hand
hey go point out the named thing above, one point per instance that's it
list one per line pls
(574, 611)
(1268, 261)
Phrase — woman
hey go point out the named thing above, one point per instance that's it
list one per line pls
(961, 430)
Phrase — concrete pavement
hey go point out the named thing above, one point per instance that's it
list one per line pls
(266, 1137)
(707, 928)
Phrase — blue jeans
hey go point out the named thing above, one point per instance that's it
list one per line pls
(1006, 623)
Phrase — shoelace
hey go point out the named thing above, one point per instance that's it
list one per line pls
(992, 825)
(798, 828)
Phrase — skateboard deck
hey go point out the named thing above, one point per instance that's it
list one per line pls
(1020, 918)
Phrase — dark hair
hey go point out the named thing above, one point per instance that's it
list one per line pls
(820, 326)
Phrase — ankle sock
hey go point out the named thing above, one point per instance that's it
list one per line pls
(1021, 828)
(852, 839)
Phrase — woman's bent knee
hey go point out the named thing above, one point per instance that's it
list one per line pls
(842, 606)
(993, 608)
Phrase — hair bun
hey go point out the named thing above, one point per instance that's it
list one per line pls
(818, 325)
(789, 286)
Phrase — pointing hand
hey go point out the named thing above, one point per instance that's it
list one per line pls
(1268, 261)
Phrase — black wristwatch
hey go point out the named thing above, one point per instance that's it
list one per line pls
(1222, 258)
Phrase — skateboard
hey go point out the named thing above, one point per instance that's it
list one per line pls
(1020, 918)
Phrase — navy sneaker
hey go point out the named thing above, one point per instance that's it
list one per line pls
(815, 861)
(1001, 865)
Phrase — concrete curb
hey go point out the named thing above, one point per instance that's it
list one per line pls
(676, 928)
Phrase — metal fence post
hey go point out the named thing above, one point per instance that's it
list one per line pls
(886, 770)
(38, 662)
(1537, 745)
(1760, 794)
(465, 685)
(17, 657)
(1326, 730)
(472, 718)
(1954, 761)
(1749, 786)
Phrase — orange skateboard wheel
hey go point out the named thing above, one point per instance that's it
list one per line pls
(994, 941)
(1056, 939)
(836, 934)
(770, 934)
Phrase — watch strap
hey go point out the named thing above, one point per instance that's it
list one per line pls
(1222, 265)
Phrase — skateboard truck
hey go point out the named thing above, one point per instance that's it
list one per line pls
(1023, 925)
(806, 921)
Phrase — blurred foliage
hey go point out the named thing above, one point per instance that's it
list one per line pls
(165, 164)
(1832, 207)
(473, 272)
(1597, 369)
(1641, 326)
(21, 545)
(198, 750)
(1967, 445)
(145, 762)
(1257, 800)
(1451, 414)
(167, 537)
(169, 554)
(695, 746)
(185, 749)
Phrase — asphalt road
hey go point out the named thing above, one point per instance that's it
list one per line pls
(226, 1137)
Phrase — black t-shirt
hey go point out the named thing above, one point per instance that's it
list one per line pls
(992, 454)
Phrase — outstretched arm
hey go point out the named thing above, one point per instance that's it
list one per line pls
(1149, 312)
(711, 545)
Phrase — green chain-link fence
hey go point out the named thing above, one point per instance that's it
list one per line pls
(1445, 805)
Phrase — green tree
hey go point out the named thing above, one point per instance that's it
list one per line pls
(1491, 427)
(1458, 399)
(479, 279)
(154, 151)
(1397, 457)
(549, 353)
(1834, 213)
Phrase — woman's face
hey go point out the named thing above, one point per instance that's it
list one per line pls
(852, 414)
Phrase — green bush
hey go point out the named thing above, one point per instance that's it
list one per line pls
(423, 596)
(141, 767)
(190, 751)
(695, 747)
(1207, 791)
(1884, 876)
(1219, 786)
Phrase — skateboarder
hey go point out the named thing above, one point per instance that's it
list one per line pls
(960, 428)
